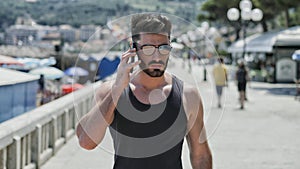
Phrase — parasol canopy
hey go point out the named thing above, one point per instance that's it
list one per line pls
(68, 88)
(76, 71)
(177, 45)
(6, 60)
(50, 73)
(296, 55)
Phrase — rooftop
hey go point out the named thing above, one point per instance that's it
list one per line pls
(10, 77)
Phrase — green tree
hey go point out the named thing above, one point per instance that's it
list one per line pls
(269, 14)
(215, 10)
(285, 6)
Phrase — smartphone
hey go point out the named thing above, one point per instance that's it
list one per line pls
(134, 45)
(132, 59)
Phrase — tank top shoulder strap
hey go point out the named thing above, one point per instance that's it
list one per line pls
(178, 85)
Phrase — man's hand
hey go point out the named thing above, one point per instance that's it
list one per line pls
(123, 72)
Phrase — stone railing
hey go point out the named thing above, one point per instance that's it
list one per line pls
(29, 140)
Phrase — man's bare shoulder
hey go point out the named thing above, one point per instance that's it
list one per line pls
(192, 99)
(190, 91)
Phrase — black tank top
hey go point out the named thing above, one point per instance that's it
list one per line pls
(149, 136)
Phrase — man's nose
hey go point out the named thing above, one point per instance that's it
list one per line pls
(156, 55)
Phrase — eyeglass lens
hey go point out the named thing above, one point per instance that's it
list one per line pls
(162, 49)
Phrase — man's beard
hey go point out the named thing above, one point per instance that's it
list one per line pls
(154, 72)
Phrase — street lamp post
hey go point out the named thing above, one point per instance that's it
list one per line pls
(205, 26)
(247, 14)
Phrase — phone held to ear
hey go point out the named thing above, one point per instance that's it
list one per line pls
(134, 45)
(132, 59)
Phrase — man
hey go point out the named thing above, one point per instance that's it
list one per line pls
(242, 77)
(150, 111)
(220, 76)
(42, 88)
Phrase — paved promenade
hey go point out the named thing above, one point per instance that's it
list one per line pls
(265, 135)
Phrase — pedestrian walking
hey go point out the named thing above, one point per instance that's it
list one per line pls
(148, 112)
(220, 77)
(242, 78)
(41, 83)
(41, 90)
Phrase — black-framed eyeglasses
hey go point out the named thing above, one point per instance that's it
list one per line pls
(149, 49)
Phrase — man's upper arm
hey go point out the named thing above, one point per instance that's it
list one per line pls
(194, 110)
(226, 73)
(105, 101)
(196, 137)
(103, 90)
(92, 126)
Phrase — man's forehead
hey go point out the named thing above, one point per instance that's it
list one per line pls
(154, 33)
(154, 38)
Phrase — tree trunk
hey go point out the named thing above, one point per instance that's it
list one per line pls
(287, 17)
(237, 33)
(264, 25)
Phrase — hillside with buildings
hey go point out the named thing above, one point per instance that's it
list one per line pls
(79, 12)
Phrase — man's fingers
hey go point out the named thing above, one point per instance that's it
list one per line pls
(129, 53)
(135, 64)
(130, 66)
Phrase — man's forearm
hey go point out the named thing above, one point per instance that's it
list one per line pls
(92, 127)
(203, 162)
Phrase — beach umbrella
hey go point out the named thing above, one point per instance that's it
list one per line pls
(68, 88)
(50, 73)
(177, 45)
(296, 55)
(107, 67)
(6, 60)
(76, 71)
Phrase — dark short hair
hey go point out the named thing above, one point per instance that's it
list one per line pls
(149, 23)
(221, 60)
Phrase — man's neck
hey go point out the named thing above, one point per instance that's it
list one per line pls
(150, 83)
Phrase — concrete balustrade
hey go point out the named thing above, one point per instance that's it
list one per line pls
(29, 140)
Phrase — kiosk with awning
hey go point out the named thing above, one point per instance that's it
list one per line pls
(271, 51)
